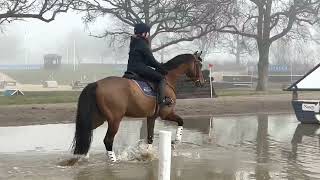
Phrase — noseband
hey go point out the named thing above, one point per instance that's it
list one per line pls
(196, 70)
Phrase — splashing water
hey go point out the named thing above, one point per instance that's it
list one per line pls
(139, 152)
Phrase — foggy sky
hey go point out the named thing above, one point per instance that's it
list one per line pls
(38, 38)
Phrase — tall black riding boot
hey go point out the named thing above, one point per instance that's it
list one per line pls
(161, 92)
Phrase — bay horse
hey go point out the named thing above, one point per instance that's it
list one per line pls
(113, 98)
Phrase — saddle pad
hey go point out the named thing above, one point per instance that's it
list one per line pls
(145, 88)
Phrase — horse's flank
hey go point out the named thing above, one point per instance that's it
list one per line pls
(124, 97)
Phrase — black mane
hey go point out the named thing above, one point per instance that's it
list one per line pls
(177, 61)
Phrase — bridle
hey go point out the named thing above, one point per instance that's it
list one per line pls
(197, 62)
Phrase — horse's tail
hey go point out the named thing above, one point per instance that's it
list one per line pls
(87, 105)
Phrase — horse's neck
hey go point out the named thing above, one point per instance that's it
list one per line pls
(173, 75)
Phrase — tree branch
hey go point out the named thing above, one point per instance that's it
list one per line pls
(21, 9)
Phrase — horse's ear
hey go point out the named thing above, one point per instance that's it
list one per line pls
(196, 53)
(200, 53)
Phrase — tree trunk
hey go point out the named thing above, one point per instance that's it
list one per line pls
(238, 56)
(238, 50)
(263, 66)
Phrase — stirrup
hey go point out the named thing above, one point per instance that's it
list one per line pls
(167, 101)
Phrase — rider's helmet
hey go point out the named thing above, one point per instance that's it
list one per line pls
(141, 28)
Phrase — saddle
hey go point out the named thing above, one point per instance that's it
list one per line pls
(149, 88)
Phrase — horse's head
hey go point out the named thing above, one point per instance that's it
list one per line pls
(194, 69)
(189, 64)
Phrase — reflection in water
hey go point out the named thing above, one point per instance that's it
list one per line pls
(304, 155)
(262, 148)
(118, 171)
(302, 130)
(238, 147)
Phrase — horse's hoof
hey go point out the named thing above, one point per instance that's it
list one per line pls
(149, 147)
(174, 144)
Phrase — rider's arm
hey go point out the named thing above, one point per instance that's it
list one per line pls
(149, 56)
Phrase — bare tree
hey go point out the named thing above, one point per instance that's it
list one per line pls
(207, 43)
(237, 45)
(44, 10)
(281, 51)
(267, 21)
(174, 21)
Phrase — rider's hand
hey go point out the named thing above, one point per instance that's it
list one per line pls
(162, 71)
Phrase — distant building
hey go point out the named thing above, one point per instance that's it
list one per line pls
(52, 61)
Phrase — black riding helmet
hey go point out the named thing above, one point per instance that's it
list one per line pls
(141, 28)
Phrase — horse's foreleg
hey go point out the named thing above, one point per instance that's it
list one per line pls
(150, 127)
(113, 127)
(179, 120)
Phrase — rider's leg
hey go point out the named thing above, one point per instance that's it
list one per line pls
(154, 76)
(161, 91)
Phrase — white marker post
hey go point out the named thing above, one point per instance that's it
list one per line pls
(164, 155)
(210, 79)
(74, 55)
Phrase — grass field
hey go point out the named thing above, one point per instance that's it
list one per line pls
(72, 96)
(41, 98)
(65, 75)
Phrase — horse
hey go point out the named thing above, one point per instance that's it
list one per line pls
(112, 98)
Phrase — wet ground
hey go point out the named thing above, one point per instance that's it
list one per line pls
(235, 147)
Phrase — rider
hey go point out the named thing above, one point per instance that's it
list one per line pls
(141, 60)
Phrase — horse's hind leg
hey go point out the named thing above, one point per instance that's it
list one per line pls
(113, 127)
(150, 127)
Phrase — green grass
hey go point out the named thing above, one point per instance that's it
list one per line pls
(41, 98)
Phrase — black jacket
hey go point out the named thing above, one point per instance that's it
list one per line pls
(140, 54)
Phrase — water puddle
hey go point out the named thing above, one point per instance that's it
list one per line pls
(235, 147)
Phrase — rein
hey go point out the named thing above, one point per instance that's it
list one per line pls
(172, 87)
(196, 73)
(196, 69)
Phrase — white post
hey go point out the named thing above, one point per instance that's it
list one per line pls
(67, 55)
(291, 70)
(164, 155)
(252, 69)
(210, 134)
(210, 74)
(74, 55)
